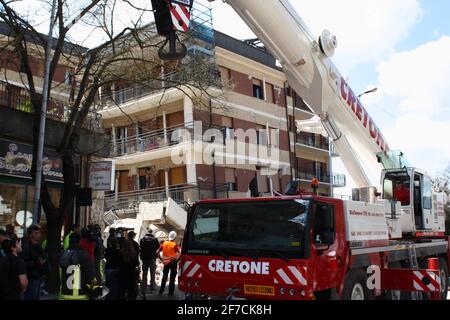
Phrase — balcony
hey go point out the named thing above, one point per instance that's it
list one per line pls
(157, 140)
(136, 92)
(185, 193)
(310, 140)
(18, 98)
(149, 141)
(308, 176)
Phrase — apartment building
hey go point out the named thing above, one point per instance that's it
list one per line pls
(144, 126)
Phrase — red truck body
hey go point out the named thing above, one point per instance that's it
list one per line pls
(304, 269)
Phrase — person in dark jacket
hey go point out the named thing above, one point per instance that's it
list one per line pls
(77, 272)
(120, 235)
(98, 250)
(3, 237)
(149, 246)
(112, 256)
(112, 235)
(35, 259)
(13, 274)
(131, 236)
(128, 275)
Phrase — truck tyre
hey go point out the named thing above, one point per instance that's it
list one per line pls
(443, 267)
(355, 286)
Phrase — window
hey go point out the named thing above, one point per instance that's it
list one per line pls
(261, 135)
(324, 226)
(142, 179)
(230, 179)
(269, 93)
(228, 132)
(426, 193)
(396, 187)
(274, 137)
(258, 89)
(269, 228)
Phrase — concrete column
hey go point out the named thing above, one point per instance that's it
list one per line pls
(166, 177)
(188, 108)
(271, 186)
(136, 128)
(264, 89)
(116, 189)
(191, 173)
(165, 126)
(114, 141)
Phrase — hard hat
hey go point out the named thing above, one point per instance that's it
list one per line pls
(172, 235)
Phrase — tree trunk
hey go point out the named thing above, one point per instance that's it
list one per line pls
(54, 249)
(55, 220)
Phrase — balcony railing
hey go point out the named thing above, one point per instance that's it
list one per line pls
(144, 89)
(158, 139)
(18, 98)
(312, 142)
(323, 178)
(179, 193)
(149, 141)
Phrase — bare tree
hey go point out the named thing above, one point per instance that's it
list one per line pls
(127, 53)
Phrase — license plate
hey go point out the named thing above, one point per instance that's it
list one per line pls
(259, 290)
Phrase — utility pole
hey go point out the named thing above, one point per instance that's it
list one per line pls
(45, 98)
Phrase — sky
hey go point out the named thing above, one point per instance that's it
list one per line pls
(401, 47)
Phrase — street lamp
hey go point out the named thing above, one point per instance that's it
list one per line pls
(368, 91)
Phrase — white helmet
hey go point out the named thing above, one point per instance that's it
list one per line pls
(172, 235)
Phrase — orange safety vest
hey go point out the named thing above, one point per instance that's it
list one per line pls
(169, 251)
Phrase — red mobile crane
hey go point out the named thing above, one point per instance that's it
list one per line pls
(309, 247)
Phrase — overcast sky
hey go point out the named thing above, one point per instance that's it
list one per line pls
(402, 47)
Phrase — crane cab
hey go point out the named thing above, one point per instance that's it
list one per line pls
(422, 214)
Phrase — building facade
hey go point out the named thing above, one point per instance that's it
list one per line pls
(144, 125)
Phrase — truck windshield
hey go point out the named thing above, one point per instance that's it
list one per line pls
(253, 229)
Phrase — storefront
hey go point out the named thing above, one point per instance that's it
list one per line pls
(16, 185)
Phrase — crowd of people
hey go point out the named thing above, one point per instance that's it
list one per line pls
(85, 264)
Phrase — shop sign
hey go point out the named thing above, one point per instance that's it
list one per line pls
(101, 176)
(16, 160)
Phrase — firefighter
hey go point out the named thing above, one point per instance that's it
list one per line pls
(77, 272)
(170, 253)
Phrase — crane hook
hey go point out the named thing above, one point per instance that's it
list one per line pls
(172, 54)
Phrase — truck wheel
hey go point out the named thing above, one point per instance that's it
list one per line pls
(355, 286)
(444, 278)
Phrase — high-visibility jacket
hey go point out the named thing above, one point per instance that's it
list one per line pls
(169, 251)
(77, 272)
(66, 240)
